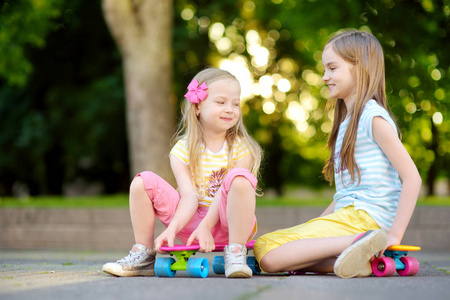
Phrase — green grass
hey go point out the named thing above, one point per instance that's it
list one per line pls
(121, 201)
(442, 269)
(293, 201)
(110, 201)
(325, 201)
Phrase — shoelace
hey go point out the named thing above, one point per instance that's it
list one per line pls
(130, 258)
(235, 258)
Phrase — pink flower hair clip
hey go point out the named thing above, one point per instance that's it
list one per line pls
(195, 92)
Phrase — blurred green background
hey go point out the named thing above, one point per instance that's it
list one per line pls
(62, 95)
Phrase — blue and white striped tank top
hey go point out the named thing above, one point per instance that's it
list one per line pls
(379, 190)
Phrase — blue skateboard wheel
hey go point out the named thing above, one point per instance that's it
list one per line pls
(218, 265)
(197, 267)
(162, 267)
(254, 265)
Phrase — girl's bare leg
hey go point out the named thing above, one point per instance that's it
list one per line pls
(323, 266)
(302, 254)
(142, 214)
(241, 204)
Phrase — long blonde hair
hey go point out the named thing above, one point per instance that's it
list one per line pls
(364, 51)
(190, 127)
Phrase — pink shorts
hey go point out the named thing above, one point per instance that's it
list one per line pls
(165, 200)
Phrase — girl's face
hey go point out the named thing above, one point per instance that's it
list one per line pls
(220, 111)
(339, 75)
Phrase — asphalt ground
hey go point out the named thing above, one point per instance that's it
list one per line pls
(44, 274)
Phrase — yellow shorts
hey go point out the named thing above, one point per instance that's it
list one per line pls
(344, 221)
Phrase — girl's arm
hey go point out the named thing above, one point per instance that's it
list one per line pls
(245, 162)
(203, 231)
(186, 207)
(329, 209)
(388, 141)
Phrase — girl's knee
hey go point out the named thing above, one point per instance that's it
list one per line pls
(138, 194)
(268, 264)
(239, 179)
(241, 183)
(137, 185)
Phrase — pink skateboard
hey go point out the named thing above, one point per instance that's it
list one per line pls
(396, 259)
(195, 267)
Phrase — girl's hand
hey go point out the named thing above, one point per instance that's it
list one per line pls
(391, 241)
(167, 237)
(204, 238)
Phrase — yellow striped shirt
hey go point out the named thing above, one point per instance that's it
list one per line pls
(214, 166)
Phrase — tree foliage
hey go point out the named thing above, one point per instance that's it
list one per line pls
(414, 35)
(23, 23)
(66, 120)
(63, 81)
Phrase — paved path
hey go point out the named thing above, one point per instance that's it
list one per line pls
(26, 274)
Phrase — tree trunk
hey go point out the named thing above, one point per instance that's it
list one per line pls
(142, 30)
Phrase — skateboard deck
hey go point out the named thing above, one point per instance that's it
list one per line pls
(218, 247)
(403, 248)
(195, 267)
(396, 259)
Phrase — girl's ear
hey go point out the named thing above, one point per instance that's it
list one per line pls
(354, 70)
(197, 110)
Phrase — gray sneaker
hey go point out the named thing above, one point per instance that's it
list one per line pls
(354, 261)
(140, 262)
(236, 261)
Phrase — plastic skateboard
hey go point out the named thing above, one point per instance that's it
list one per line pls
(395, 259)
(195, 267)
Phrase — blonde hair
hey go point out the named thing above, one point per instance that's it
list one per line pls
(190, 127)
(364, 51)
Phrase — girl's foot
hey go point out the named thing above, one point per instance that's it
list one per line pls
(236, 261)
(140, 262)
(353, 261)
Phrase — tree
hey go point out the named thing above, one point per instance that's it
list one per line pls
(39, 21)
(63, 121)
(288, 36)
(143, 31)
(62, 102)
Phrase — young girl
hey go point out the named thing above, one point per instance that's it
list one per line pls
(377, 183)
(215, 163)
